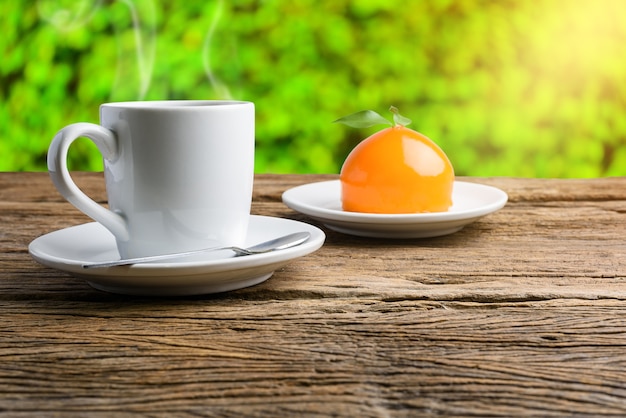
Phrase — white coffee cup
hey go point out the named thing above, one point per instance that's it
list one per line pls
(179, 174)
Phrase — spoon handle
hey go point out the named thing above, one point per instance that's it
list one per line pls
(275, 244)
(150, 258)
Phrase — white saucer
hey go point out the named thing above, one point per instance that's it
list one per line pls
(322, 201)
(68, 249)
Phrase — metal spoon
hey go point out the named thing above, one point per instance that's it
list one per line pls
(280, 243)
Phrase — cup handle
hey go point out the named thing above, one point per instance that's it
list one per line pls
(106, 141)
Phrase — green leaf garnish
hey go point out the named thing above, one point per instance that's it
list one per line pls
(363, 119)
(367, 118)
(398, 119)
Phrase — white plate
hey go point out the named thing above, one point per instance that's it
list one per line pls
(322, 201)
(68, 249)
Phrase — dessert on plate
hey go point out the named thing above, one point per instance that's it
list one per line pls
(395, 170)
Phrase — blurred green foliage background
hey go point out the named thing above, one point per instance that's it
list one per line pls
(531, 88)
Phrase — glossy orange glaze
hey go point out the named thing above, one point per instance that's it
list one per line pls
(397, 170)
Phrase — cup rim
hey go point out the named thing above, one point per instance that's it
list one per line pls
(175, 104)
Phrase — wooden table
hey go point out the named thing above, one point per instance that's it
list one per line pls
(520, 313)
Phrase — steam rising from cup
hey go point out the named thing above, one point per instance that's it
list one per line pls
(221, 90)
(67, 16)
(136, 45)
(143, 16)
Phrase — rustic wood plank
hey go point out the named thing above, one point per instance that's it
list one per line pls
(367, 357)
(521, 313)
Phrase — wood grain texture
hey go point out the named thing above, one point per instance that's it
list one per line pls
(522, 313)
